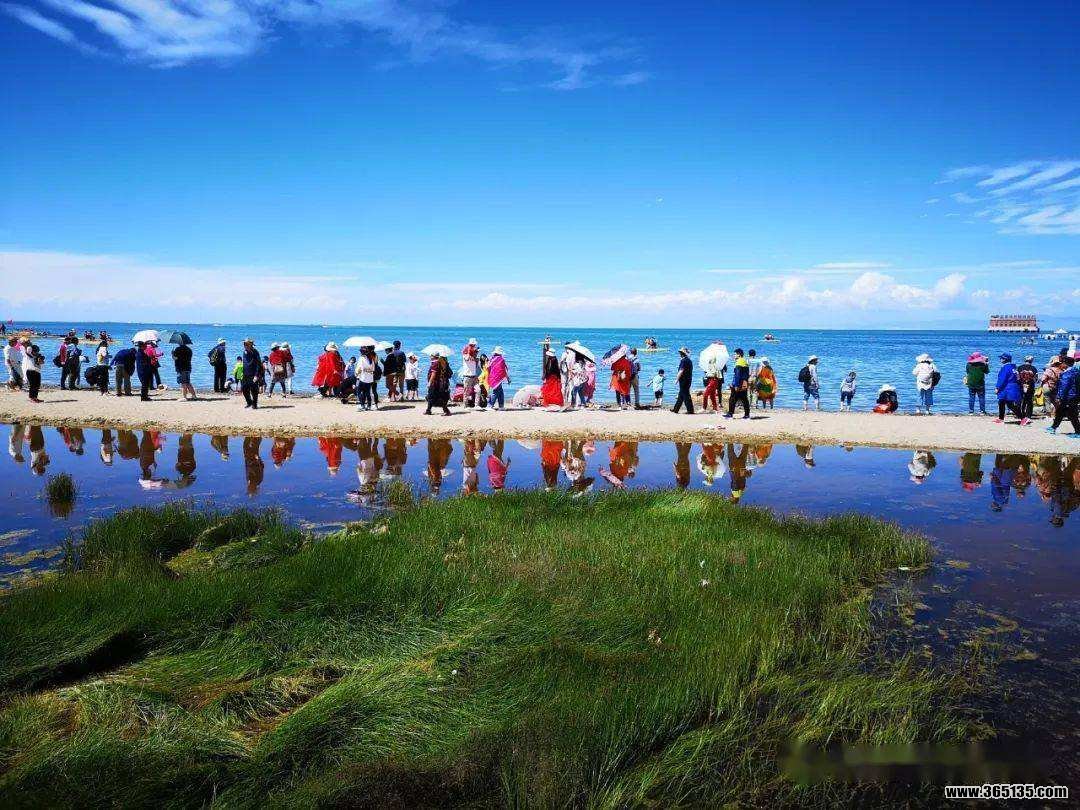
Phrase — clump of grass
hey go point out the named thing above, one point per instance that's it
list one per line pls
(400, 496)
(530, 649)
(60, 493)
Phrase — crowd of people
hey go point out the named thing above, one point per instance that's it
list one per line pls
(578, 465)
(568, 378)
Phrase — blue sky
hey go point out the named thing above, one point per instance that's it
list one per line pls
(700, 164)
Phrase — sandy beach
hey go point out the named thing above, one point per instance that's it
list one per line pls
(307, 416)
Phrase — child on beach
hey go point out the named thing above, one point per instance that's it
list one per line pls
(847, 391)
(238, 373)
(412, 377)
(658, 388)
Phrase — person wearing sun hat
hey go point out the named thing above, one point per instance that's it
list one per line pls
(290, 365)
(498, 375)
(411, 371)
(926, 377)
(329, 371)
(1029, 379)
(975, 380)
(1008, 389)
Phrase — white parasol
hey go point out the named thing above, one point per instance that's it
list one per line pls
(440, 349)
(584, 351)
(360, 341)
(383, 345)
(715, 352)
(146, 336)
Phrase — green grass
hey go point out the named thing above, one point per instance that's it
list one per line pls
(60, 493)
(528, 649)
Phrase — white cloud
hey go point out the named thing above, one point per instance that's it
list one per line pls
(851, 266)
(1035, 197)
(169, 34)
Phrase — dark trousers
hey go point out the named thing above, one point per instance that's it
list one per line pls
(683, 398)
(69, 374)
(249, 386)
(157, 377)
(144, 385)
(1027, 404)
(363, 393)
(736, 397)
(33, 381)
(103, 379)
(1012, 406)
(1061, 413)
(123, 381)
(220, 375)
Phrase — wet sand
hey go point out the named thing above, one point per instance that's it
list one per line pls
(310, 416)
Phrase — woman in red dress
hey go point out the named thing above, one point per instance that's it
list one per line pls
(620, 381)
(551, 390)
(329, 371)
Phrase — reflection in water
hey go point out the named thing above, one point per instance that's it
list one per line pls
(559, 464)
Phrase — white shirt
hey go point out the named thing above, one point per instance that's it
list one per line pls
(365, 369)
(28, 363)
(924, 376)
(412, 369)
(469, 365)
(13, 355)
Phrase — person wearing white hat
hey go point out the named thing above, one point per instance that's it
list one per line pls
(470, 371)
(926, 377)
(290, 366)
(412, 376)
(219, 359)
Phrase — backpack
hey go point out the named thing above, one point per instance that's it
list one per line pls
(935, 378)
(1027, 376)
(214, 357)
(377, 372)
(804, 375)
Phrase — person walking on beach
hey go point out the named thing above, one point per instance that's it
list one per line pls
(766, 384)
(182, 363)
(32, 361)
(144, 367)
(847, 390)
(551, 389)
(101, 368)
(470, 371)
(1007, 389)
(1051, 376)
(278, 370)
(498, 377)
(658, 389)
(926, 377)
(411, 375)
(714, 377)
(329, 371)
(251, 374)
(1067, 398)
(635, 378)
(13, 361)
(740, 387)
(220, 362)
(438, 384)
(975, 380)
(365, 378)
(684, 377)
(290, 366)
(1028, 376)
(808, 376)
(70, 359)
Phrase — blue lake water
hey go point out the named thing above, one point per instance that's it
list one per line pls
(879, 357)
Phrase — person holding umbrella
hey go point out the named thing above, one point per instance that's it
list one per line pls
(182, 362)
(683, 378)
(144, 368)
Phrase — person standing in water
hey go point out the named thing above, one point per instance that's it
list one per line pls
(808, 376)
(847, 390)
(684, 378)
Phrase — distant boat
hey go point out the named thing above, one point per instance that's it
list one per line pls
(770, 338)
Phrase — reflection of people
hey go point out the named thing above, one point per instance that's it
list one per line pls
(762, 453)
(622, 459)
(185, 457)
(15, 442)
(148, 447)
(971, 474)
(367, 469)
(497, 468)
(439, 452)
(710, 464)
(106, 451)
(739, 471)
(922, 463)
(127, 445)
(574, 465)
(282, 449)
(330, 447)
(253, 463)
(1065, 490)
(221, 444)
(1003, 477)
(395, 454)
(806, 453)
(682, 464)
(39, 459)
(470, 480)
(550, 462)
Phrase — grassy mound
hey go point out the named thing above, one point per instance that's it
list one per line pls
(528, 649)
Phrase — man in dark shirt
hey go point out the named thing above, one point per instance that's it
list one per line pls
(399, 369)
(182, 360)
(683, 379)
(249, 378)
(1028, 375)
(219, 360)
